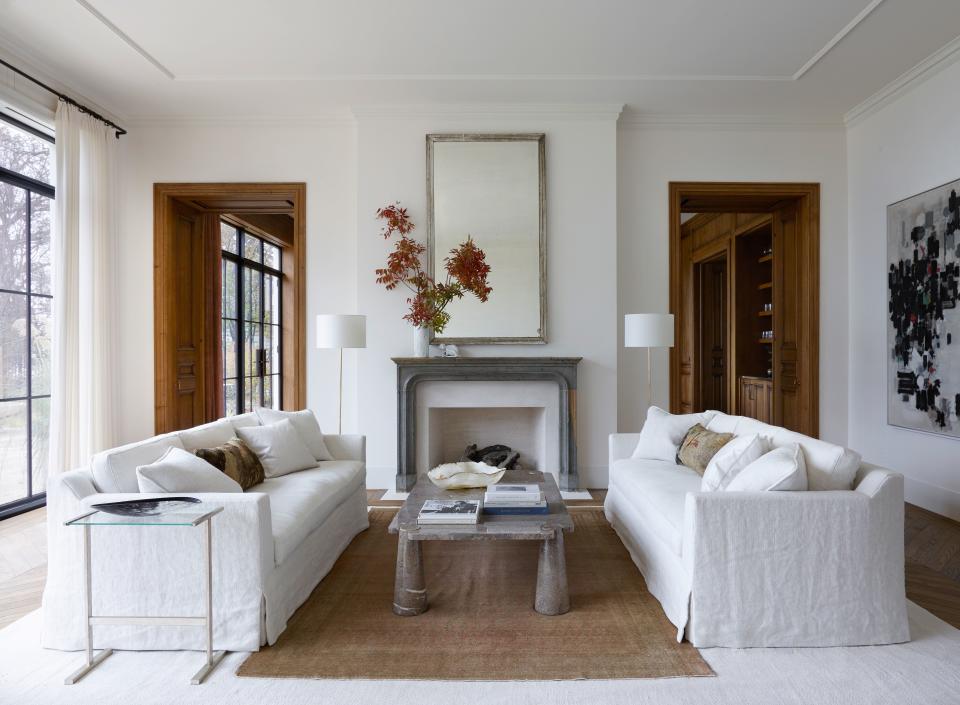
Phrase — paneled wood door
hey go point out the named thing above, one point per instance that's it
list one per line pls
(712, 334)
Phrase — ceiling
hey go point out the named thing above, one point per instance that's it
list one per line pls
(809, 60)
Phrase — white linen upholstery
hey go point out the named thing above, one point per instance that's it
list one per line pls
(244, 420)
(158, 570)
(301, 501)
(279, 447)
(781, 470)
(766, 568)
(115, 470)
(660, 489)
(307, 426)
(181, 471)
(829, 466)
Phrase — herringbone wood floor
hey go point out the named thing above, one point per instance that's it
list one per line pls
(932, 551)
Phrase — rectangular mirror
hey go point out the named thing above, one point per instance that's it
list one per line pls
(492, 188)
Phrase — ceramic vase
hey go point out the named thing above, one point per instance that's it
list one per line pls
(421, 342)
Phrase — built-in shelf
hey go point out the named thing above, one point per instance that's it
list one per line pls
(765, 341)
(765, 258)
(766, 285)
(764, 313)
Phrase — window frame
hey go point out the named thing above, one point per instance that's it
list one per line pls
(31, 186)
(240, 261)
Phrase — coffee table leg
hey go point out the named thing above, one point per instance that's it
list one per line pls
(409, 591)
(552, 596)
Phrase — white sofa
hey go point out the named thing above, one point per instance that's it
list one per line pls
(272, 545)
(823, 567)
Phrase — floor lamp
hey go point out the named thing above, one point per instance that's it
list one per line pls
(648, 330)
(341, 331)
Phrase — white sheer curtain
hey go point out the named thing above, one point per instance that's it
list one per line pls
(84, 291)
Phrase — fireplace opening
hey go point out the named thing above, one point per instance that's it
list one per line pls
(520, 430)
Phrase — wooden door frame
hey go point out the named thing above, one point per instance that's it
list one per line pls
(704, 255)
(722, 197)
(294, 290)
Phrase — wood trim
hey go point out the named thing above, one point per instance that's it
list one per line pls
(716, 197)
(294, 291)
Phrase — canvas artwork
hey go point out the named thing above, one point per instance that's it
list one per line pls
(923, 275)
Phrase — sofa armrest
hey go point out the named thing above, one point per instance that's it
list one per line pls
(796, 565)
(347, 447)
(158, 570)
(622, 445)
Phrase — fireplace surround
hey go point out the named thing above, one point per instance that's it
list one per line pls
(561, 371)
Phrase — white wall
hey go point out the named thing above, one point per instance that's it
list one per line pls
(907, 147)
(649, 157)
(321, 154)
(581, 259)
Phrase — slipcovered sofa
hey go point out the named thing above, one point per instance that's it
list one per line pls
(823, 567)
(272, 545)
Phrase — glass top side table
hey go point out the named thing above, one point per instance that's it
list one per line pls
(191, 515)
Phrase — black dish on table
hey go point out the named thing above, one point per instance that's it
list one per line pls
(146, 507)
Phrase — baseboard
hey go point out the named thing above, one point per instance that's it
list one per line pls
(385, 478)
(936, 499)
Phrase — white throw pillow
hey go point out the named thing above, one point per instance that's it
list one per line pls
(731, 459)
(115, 470)
(209, 435)
(279, 447)
(781, 469)
(663, 433)
(181, 471)
(305, 423)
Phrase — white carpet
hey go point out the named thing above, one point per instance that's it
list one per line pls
(925, 671)
(393, 495)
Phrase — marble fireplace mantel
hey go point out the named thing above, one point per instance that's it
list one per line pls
(411, 371)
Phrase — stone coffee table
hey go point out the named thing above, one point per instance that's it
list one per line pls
(410, 594)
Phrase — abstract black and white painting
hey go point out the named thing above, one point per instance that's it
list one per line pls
(923, 275)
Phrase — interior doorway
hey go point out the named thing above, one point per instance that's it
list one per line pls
(229, 300)
(744, 291)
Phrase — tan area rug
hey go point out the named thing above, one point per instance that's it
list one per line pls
(481, 624)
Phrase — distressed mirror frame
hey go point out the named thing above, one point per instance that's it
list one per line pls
(540, 139)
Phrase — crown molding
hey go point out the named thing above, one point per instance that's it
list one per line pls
(491, 111)
(947, 55)
(329, 118)
(692, 121)
(126, 39)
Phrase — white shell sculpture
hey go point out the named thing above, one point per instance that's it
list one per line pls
(453, 476)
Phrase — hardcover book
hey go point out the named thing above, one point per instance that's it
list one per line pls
(458, 511)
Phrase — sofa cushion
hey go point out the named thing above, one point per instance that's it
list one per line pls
(244, 420)
(279, 447)
(115, 470)
(209, 435)
(731, 459)
(658, 489)
(699, 446)
(663, 432)
(235, 460)
(301, 501)
(829, 466)
(306, 425)
(180, 470)
(782, 469)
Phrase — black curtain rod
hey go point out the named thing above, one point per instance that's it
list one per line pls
(67, 99)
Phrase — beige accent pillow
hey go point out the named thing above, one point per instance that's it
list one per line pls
(699, 446)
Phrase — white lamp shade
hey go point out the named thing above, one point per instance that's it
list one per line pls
(648, 330)
(341, 331)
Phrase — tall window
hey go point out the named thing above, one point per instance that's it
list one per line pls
(251, 321)
(26, 202)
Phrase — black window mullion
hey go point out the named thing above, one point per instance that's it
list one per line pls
(29, 328)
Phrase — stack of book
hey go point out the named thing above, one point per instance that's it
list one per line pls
(453, 511)
(514, 499)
